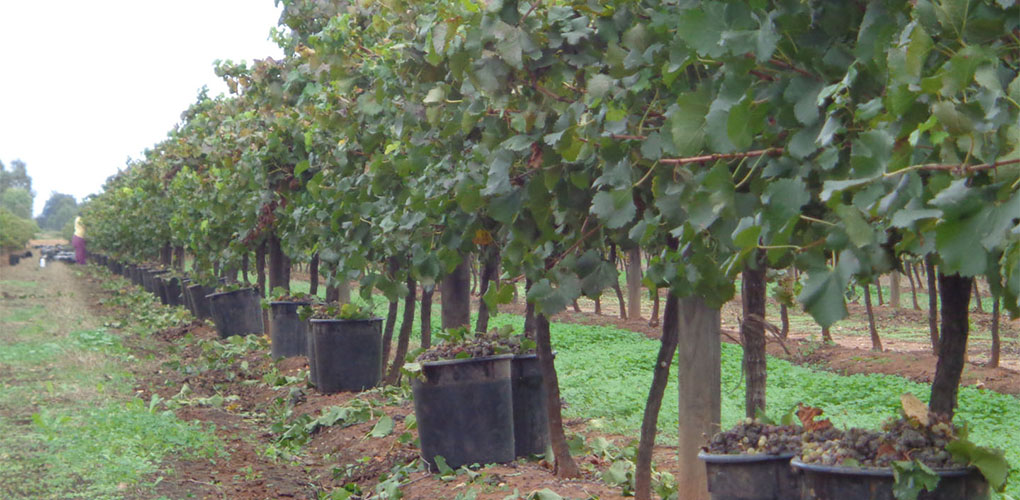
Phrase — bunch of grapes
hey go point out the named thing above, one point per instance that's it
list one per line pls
(900, 439)
(479, 345)
(834, 446)
(754, 437)
(452, 350)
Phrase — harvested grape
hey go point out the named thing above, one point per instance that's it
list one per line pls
(755, 437)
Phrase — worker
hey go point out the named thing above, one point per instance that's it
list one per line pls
(78, 240)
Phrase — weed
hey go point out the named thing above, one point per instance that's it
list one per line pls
(128, 439)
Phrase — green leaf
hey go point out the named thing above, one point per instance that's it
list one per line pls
(830, 187)
(957, 243)
(958, 199)
(599, 85)
(803, 92)
(313, 184)
(498, 294)
(498, 180)
(518, 143)
(823, 295)
(614, 208)
(911, 478)
(545, 494)
(860, 232)
(382, 428)
(991, 462)
(955, 121)
(651, 147)
(300, 167)
(702, 29)
(509, 40)
(832, 127)
(436, 95)
(906, 217)
(784, 197)
(504, 209)
(871, 152)
(747, 233)
(618, 473)
(443, 467)
(740, 126)
(803, 144)
(906, 62)
(687, 123)
(767, 39)
(550, 300)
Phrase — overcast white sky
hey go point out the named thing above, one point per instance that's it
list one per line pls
(85, 85)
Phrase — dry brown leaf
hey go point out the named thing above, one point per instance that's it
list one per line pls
(914, 408)
(807, 415)
(885, 450)
(482, 238)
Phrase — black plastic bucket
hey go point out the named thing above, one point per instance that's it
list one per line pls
(826, 482)
(238, 312)
(136, 275)
(531, 418)
(172, 288)
(464, 409)
(199, 301)
(159, 289)
(288, 332)
(149, 282)
(313, 372)
(751, 477)
(185, 296)
(146, 279)
(347, 354)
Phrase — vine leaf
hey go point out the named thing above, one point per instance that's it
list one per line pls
(615, 208)
(807, 416)
(914, 408)
(823, 292)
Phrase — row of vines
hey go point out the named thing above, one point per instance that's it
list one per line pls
(397, 140)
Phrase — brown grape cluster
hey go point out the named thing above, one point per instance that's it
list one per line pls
(754, 437)
(481, 345)
(900, 439)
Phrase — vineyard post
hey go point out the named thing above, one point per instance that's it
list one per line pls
(699, 375)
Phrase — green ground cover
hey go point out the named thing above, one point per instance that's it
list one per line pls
(70, 426)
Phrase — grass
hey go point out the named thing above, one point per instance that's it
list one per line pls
(69, 424)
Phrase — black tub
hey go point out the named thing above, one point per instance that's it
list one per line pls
(288, 332)
(464, 409)
(237, 312)
(347, 354)
(826, 482)
(751, 477)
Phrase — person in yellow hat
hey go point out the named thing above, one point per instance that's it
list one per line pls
(78, 240)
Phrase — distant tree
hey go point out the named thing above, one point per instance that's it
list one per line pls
(18, 201)
(15, 231)
(59, 209)
(16, 177)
